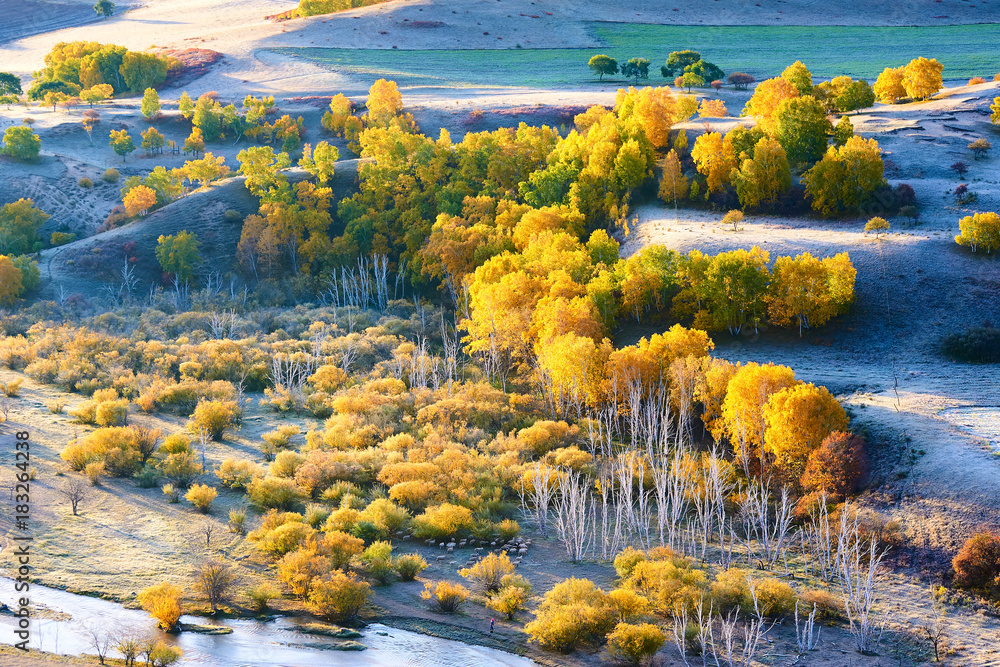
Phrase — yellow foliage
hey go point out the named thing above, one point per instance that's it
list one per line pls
(338, 596)
(767, 97)
(489, 571)
(922, 78)
(714, 157)
(634, 643)
(798, 418)
(889, 85)
(201, 496)
(162, 601)
(447, 597)
(743, 408)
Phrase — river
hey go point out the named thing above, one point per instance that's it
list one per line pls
(62, 621)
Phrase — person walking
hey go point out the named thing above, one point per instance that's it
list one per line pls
(491, 625)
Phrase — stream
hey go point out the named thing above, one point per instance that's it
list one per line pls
(61, 621)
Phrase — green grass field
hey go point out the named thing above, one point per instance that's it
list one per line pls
(965, 51)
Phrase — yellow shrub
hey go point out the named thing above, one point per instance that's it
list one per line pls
(214, 416)
(285, 538)
(444, 596)
(299, 568)
(342, 519)
(111, 413)
(573, 612)
(635, 643)
(201, 496)
(415, 494)
(828, 605)
(409, 566)
(730, 590)
(238, 474)
(668, 583)
(488, 572)
(286, 463)
(626, 560)
(386, 516)
(274, 492)
(338, 596)
(340, 547)
(162, 601)
(443, 520)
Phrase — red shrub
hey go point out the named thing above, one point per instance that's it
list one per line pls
(978, 563)
(839, 465)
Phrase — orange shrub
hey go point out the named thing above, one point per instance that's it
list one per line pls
(977, 565)
(839, 465)
(338, 596)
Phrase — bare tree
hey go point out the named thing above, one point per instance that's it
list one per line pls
(207, 529)
(101, 640)
(678, 631)
(537, 492)
(861, 579)
(936, 633)
(128, 643)
(75, 490)
(805, 640)
(765, 532)
(213, 579)
(574, 515)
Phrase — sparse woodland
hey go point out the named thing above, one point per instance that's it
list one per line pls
(451, 353)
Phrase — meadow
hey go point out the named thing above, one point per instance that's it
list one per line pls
(965, 51)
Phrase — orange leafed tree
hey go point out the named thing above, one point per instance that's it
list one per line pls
(767, 97)
(714, 157)
(139, 200)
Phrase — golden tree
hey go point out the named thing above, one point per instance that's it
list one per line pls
(10, 281)
(760, 181)
(803, 289)
(673, 182)
(846, 177)
(888, 86)
(712, 109)
(799, 76)
(139, 200)
(650, 110)
(713, 156)
(798, 419)
(922, 78)
(980, 231)
(878, 225)
(384, 103)
(767, 97)
(743, 408)
(634, 643)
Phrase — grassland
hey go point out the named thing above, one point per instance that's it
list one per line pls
(965, 51)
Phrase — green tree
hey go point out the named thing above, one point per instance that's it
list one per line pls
(689, 80)
(143, 70)
(857, 95)
(179, 255)
(21, 143)
(706, 70)
(846, 177)
(636, 68)
(9, 84)
(843, 131)
(262, 169)
(186, 105)
(104, 8)
(121, 142)
(207, 117)
(602, 65)
(760, 181)
(678, 61)
(320, 161)
(734, 288)
(799, 76)
(150, 106)
(19, 225)
(801, 127)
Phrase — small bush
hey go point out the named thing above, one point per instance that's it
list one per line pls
(94, 472)
(626, 560)
(299, 568)
(232, 215)
(489, 571)
(11, 389)
(976, 345)
(443, 520)
(338, 596)
(260, 596)
(61, 238)
(201, 496)
(148, 477)
(731, 589)
(377, 561)
(635, 643)
(444, 596)
(85, 182)
(511, 597)
(340, 548)
(828, 605)
(110, 175)
(238, 521)
(976, 80)
(274, 492)
(56, 406)
(215, 417)
(162, 601)
(409, 566)
(235, 474)
(172, 493)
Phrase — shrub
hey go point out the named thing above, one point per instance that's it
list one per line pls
(977, 564)
(148, 477)
(731, 589)
(11, 389)
(172, 493)
(442, 521)
(385, 516)
(627, 603)
(61, 238)
(94, 471)
(338, 596)
(285, 538)
(232, 215)
(340, 548)
(274, 492)
(839, 465)
(668, 582)
(214, 579)
(444, 596)
(280, 437)
(238, 521)
(123, 449)
(163, 654)
(235, 474)
(214, 416)
(111, 413)
(488, 572)
(626, 560)
(511, 597)
(181, 468)
(260, 596)
(377, 561)
(828, 605)
(316, 515)
(299, 568)
(57, 406)
(409, 566)
(573, 612)
(110, 175)
(635, 643)
(201, 496)
(976, 80)
(162, 601)
(975, 345)
(85, 182)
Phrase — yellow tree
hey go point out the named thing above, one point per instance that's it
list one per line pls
(767, 97)
(801, 290)
(713, 156)
(673, 182)
(922, 78)
(733, 289)
(206, 170)
(10, 281)
(710, 391)
(384, 103)
(799, 76)
(846, 177)
(162, 601)
(139, 200)
(797, 420)
(980, 231)
(760, 181)
(712, 109)
(995, 111)
(650, 110)
(878, 225)
(889, 85)
(743, 408)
